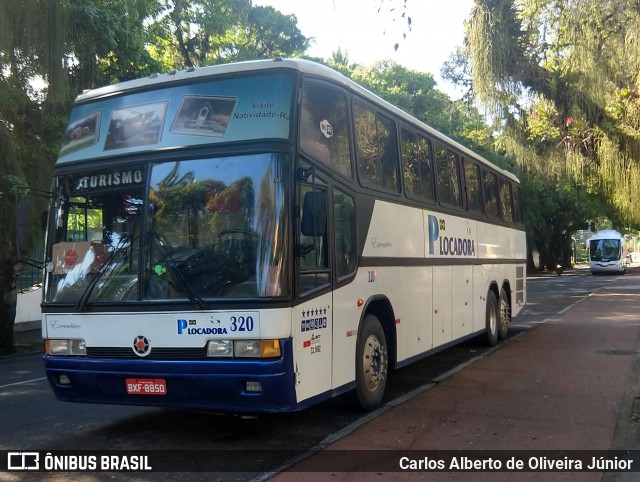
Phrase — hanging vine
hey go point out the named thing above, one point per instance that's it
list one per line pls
(564, 78)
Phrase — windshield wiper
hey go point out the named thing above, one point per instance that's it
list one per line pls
(86, 294)
(177, 273)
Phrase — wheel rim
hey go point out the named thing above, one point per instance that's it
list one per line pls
(505, 316)
(373, 363)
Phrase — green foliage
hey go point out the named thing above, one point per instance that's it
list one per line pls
(416, 93)
(204, 32)
(562, 77)
(11, 185)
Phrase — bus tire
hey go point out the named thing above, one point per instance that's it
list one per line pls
(493, 314)
(371, 363)
(505, 315)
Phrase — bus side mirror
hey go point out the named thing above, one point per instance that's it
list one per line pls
(314, 214)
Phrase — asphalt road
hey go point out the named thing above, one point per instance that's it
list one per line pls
(32, 419)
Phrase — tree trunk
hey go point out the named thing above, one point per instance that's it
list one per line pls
(8, 303)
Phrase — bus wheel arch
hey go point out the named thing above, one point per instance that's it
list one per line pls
(375, 352)
(492, 316)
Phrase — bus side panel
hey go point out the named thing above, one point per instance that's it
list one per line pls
(493, 242)
(442, 304)
(519, 282)
(408, 289)
(481, 280)
(518, 247)
(462, 301)
(346, 316)
(395, 231)
(312, 346)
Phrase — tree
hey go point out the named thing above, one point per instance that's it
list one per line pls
(416, 93)
(204, 32)
(11, 188)
(561, 78)
(50, 50)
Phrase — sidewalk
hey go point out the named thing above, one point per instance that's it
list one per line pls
(27, 337)
(570, 384)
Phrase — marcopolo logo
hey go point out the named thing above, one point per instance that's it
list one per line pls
(190, 328)
(447, 245)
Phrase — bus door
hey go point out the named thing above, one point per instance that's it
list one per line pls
(313, 311)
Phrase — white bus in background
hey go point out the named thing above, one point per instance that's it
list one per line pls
(606, 252)
(262, 236)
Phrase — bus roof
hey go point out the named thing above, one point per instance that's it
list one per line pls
(301, 65)
(606, 234)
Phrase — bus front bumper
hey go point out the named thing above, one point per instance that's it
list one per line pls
(224, 385)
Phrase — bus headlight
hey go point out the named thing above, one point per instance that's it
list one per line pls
(247, 348)
(220, 348)
(66, 347)
(243, 348)
(257, 348)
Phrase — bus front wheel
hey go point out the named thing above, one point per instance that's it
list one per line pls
(371, 363)
(491, 327)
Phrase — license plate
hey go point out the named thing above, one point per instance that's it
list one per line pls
(146, 386)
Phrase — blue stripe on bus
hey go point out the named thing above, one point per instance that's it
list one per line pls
(207, 384)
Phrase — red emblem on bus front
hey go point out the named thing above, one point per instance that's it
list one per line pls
(141, 346)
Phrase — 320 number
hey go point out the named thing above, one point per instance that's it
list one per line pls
(240, 323)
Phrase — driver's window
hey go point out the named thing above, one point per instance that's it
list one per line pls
(312, 248)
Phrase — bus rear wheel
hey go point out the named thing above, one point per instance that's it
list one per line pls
(505, 315)
(371, 363)
(491, 327)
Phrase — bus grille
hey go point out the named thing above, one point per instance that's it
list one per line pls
(155, 354)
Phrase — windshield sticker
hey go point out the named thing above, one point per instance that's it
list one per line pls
(82, 133)
(105, 180)
(168, 116)
(136, 126)
(203, 115)
(263, 110)
(326, 129)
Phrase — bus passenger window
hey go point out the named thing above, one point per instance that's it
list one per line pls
(417, 165)
(505, 201)
(344, 212)
(448, 179)
(324, 127)
(472, 182)
(376, 149)
(490, 188)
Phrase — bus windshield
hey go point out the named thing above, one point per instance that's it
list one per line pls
(180, 230)
(605, 249)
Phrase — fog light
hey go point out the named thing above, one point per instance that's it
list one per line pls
(253, 387)
(64, 380)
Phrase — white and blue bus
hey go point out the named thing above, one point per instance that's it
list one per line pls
(606, 252)
(262, 236)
